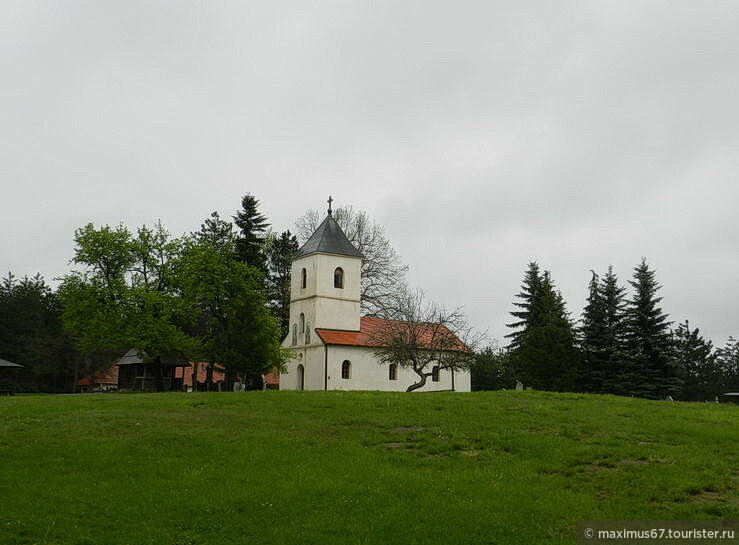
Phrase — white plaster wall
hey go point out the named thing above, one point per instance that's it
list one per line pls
(323, 305)
(312, 359)
(366, 372)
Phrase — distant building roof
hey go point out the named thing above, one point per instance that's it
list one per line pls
(329, 239)
(372, 332)
(272, 379)
(106, 376)
(136, 356)
(131, 357)
(6, 363)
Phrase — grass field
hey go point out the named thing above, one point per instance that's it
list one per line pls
(385, 468)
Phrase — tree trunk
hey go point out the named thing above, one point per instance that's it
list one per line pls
(158, 375)
(421, 382)
(208, 376)
(229, 379)
(195, 368)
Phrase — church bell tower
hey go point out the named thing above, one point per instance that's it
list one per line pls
(325, 283)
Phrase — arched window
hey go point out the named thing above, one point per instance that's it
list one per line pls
(339, 277)
(435, 373)
(307, 333)
(295, 334)
(302, 322)
(301, 377)
(393, 371)
(303, 278)
(346, 369)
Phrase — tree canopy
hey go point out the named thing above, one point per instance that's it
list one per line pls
(424, 337)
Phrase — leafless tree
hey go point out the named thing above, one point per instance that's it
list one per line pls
(420, 336)
(383, 275)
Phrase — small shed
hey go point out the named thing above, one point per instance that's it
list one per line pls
(139, 373)
(7, 370)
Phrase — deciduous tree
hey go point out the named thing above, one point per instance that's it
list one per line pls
(124, 296)
(421, 336)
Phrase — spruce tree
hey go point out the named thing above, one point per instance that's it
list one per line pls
(650, 370)
(602, 335)
(694, 355)
(528, 299)
(543, 351)
(251, 235)
(593, 338)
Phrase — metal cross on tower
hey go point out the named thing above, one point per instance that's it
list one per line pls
(329, 201)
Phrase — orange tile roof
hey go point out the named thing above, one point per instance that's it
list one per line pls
(272, 379)
(373, 331)
(106, 376)
(186, 373)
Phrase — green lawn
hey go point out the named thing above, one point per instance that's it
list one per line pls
(385, 468)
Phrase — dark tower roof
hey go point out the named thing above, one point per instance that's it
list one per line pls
(328, 239)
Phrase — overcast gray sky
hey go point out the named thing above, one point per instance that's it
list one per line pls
(482, 135)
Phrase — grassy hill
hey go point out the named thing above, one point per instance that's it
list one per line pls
(299, 467)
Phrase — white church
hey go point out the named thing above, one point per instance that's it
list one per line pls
(331, 343)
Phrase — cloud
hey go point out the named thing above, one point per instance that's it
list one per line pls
(481, 134)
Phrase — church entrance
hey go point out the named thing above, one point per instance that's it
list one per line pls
(300, 377)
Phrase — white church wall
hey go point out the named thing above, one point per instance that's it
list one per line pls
(312, 360)
(322, 304)
(366, 373)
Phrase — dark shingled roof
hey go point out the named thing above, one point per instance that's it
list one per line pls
(131, 357)
(136, 357)
(329, 239)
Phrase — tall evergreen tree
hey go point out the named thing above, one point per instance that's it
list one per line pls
(700, 369)
(543, 351)
(528, 298)
(602, 334)
(650, 370)
(251, 234)
(592, 333)
(280, 251)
